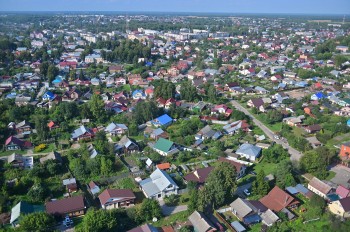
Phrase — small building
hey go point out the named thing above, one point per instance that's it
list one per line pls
(117, 198)
(245, 211)
(72, 206)
(126, 146)
(52, 156)
(82, 133)
(199, 176)
(94, 188)
(70, 184)
(116, 129)
(342, 192)
(13, 143)
(19, 161)
(319, 187)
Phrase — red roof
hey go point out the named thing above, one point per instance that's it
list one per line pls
(163, 166)
(65, 206)
(277, 199)
(18, 142)
(51, 124)
(117, 194)
(342, 191)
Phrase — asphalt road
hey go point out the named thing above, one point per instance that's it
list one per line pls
(294, 154)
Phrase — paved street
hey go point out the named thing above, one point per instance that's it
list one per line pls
(294, 154)
(169, 210)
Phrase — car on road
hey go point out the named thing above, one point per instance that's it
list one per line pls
(246, 192)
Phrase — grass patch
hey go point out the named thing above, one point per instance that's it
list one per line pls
(331, 175)
(172, 219)
(267, 167)
(7, 153)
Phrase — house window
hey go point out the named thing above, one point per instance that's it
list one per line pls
(159, 195)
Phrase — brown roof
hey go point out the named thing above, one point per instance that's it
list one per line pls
(277, 199)
(237, 165)
(320, 185)
(345, 202)
(200, 175)
(167, 229)
(163, 166)
(121, 194)
(66, 205)
(257, 102)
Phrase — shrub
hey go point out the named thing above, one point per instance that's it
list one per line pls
(40, 147)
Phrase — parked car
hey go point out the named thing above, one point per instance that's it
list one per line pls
(246, 192)
(252, 173)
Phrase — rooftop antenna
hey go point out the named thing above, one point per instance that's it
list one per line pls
(344, 19)
(127, 24)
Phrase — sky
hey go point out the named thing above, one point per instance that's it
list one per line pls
(215, 6)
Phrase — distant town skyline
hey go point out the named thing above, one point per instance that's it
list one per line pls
(207, 6)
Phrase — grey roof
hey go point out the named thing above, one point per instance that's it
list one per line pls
(237, 226)
(157, 132)
(249, 149)
(80, 131)
(69, 181)
(200, 222)
(112, 126)
(268, 217)
(52, 156)
(242, 207)
(207, 131)
(158, 182)
(125, 142)
(24, 208)
(14, 157)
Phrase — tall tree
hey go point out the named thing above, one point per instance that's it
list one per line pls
(39, 221)
(260, 186)
(97, 107)
(98, 221)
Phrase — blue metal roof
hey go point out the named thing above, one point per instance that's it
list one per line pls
(292, 190)
(164, 119)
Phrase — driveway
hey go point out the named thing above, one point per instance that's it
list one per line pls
(294, 154)
(169, 210)
(342, 175)
(240, 190)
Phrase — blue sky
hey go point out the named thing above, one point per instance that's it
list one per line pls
(229, 6)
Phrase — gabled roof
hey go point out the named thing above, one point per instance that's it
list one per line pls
(277, 199)
(164, 119)
(80, 131)
(201, 222)
(52, 156)
(112, 126)
(320, 185)
(242, 207)
(163, 166)
(163, 145)
(345, 203)
(342, 191)
(116, 195)
(200, 175)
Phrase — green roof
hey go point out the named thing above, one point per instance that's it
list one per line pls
(24, 208)
(163, 145)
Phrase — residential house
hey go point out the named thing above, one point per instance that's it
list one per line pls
(158, 185)
(70, 185)
(117, 198)
(319, 187)
(277, 199)
(156, 133)
(344, 153)
(23, 128)
(138, 94)
(234, 127)
(52, 156)
(164, 166)
(13, 143)
(52, 125)
(269, 217)
(72, 206)
(126, 145)
(21, 209)
(199, 176)
(239, 167)
(82, 133)
(245, 211)
(261, 90)
(294, 121)
(19, 161)
(313, 128)
(340, 207)
(115, 69)
(256, 103)
(48, 96)
(165, 147)
(71, 95)
(164, 120)
(279, 97)
(249, 151)
(116, 129)
(221, 109)
(208, 133)
(317, 96)
(201, 223)
(94, 188)
(120, 81)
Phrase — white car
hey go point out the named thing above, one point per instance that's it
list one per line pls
(246, 192)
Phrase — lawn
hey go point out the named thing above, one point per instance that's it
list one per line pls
(331, 175)
(172, 219)
(7, 153)
(267, 167)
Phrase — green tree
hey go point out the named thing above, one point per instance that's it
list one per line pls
(39, 221)
(188, 91)
(106, 166)
(41, 127)
(150, 209)
(98, 221)
(260, 187)
(97, 107)
(52, 72)
(284, 177)
(310, 162)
